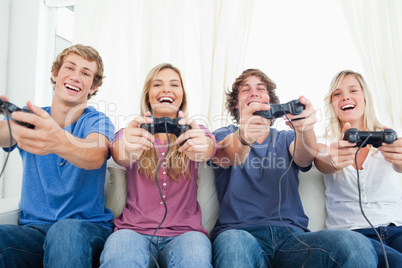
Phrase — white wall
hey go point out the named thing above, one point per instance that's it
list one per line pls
(26, 57)
(4, 18)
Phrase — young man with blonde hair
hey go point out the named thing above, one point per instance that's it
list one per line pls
(63, 220)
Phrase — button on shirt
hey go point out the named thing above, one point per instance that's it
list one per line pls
(381, 195)
(144, 209)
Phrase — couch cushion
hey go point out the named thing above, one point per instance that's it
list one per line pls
(311, 190)
(9, 211)
(115, 189)
(207, 196)
(312, 194)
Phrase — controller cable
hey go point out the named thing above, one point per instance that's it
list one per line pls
(160, 193)
(280, 197)
(11, 145)
(360, 202)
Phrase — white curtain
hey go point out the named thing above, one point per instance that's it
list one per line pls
(205, 39)
(376, 26)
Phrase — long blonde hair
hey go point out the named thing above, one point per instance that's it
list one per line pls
(333, 130)
(176, 162)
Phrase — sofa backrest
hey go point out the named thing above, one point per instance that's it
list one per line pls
(116, 192)
(312, 194)
(311, 189)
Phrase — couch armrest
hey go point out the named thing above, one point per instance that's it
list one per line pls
(9, 211)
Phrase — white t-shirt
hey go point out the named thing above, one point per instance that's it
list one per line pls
(381, 195)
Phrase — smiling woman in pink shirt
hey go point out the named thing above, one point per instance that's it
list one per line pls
(161, 222)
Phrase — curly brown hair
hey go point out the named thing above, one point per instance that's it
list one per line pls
(87, 52)
(232, 96)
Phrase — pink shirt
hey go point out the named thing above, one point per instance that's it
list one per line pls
(144, 209)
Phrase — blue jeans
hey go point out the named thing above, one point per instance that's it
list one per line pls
(66, 243)
(127, 248)
(274, 246)
(392, 239)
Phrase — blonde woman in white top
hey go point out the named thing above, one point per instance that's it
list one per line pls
(350, 105)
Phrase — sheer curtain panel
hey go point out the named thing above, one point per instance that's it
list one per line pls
(206, 40)
(376, 26)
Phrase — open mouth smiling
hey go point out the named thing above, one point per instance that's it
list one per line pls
(348, 107)
(73, 88)
(166, 100)
(253, 102)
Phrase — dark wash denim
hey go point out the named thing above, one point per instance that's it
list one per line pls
(392, 238)
(66, 243)
(274, 246)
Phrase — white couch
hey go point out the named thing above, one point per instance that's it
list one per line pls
(311, 190)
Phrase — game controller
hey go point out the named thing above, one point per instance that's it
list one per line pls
(293, 107)
(7, 108)
(376, 138)
(165, 125)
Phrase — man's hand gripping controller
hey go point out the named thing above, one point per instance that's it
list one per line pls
(7, 108)
(293, 107)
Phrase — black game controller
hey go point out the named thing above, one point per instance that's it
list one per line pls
(293, 107)
(165, 125)
(376, 138)
(7, 108)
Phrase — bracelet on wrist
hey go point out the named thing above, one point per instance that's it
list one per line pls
(242, 141)
(334, 166)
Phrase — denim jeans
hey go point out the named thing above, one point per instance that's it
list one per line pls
(66, 243)
(274, 246)
(127, 248)
(392, 239)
